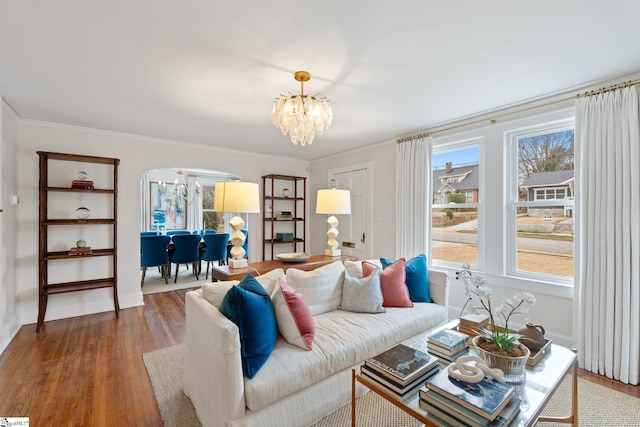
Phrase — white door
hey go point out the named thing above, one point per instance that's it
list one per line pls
(354, 229)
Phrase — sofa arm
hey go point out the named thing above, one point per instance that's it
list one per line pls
(212, 375)
(439, 288)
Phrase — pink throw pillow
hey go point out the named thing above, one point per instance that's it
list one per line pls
(392, 282)
(293, 315)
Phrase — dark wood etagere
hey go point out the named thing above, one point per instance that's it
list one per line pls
(294, 202)
(45, 256)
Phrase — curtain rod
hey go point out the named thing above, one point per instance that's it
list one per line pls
(494, 119)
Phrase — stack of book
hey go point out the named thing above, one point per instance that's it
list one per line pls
(76, 183)
(471, 323)
(80, 251)
(284, 216)
(401, 370)
(447, 345)
(452, 402)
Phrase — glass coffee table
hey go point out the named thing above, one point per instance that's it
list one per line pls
(542, 381)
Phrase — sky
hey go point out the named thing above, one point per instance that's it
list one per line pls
(461, 156)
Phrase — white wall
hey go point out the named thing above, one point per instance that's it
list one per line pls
(137, 154)
(9, 319)
(383, 192)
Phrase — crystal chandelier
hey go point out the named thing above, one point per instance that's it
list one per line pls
(302, 116)
(180, 190)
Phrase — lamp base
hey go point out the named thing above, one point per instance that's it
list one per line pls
(332, 252)
(238, 263)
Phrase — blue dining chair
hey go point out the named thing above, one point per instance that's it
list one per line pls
(216, 249)
(153, 253)
(186, 252)
(148, 233)
(178, 232)
(205, 231)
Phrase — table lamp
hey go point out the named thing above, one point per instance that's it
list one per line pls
(333, 202)
(237, 197)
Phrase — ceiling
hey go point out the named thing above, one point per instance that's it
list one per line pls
(207, 72)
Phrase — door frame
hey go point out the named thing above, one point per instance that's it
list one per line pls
(368, 167)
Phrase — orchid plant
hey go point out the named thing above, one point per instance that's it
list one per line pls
(479, 296)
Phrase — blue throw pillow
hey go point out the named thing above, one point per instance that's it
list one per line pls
(417, 277)
(248, 306)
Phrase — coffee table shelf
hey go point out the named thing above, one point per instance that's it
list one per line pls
(543, 380)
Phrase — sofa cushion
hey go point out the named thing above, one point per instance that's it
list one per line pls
(417, 277)
(362, 295)
(355, 267)
(392, 283)
(214, 292)
(293, 316)
(343, 339)
(249, 306)
(322, 287)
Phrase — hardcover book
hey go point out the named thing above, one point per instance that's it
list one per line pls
(371, 373)
(456, 410)
(401, 363)
(448, 339)
(486, 398)
(445, 417)
(445, 353)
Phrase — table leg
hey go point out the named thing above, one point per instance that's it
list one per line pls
(573, 418)
(353, 397)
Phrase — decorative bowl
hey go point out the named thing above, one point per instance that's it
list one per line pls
(83, 213)
(294, 257)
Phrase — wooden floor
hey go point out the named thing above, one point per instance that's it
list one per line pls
(88, 371)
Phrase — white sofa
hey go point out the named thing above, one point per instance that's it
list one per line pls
(295, 387)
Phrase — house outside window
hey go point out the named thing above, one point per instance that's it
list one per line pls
(456, 207)
(541, 231)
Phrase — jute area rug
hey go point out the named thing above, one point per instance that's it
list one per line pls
(598, 406)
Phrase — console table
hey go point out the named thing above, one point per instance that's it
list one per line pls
(223, 272)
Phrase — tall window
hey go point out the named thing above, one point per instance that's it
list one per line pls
(210, 219)
(456, 203)
(541, 199)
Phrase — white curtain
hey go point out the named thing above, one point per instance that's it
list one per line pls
(413, 189)
(194, 219)
(145, 213)
(607, 272)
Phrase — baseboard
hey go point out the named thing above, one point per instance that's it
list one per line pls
(8, 332)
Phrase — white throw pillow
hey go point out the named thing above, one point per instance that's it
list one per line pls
(269, 281)
(214, 292)
(294, 318)
(321, 288)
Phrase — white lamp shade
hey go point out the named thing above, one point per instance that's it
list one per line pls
(235, 196)
(333, 202)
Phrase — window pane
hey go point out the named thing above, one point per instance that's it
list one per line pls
(211, 220)
(456, 193)
(545, 232)
(454, 235)
(208, 191)
(544, 244)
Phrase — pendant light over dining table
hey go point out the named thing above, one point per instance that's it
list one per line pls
(301, 116)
